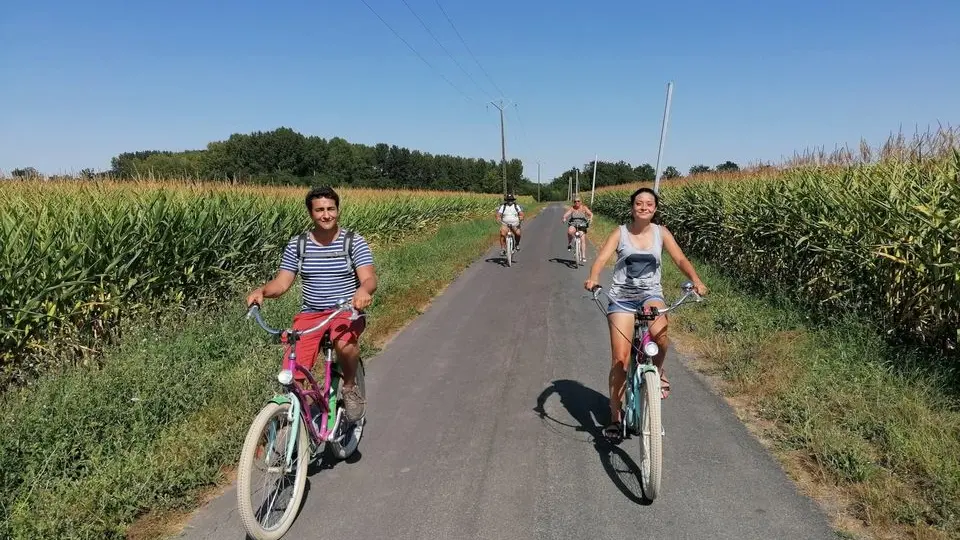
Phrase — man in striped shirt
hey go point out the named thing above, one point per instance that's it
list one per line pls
(326, 281)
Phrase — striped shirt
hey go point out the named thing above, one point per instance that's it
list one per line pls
(325, 281)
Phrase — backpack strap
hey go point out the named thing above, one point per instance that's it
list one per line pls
(348, 248)
(301, 248)
(347, 252)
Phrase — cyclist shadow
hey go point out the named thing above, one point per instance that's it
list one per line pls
(501, 260)
(327, 462)
(591, 410)
(569, 263)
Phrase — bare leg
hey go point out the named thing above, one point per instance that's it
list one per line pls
(348, 357)
(621, 324)
(658, 331)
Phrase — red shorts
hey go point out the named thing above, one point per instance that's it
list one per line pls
(341, 328)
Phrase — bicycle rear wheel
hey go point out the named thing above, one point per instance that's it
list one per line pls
(348, 435)
(265, 447)
(651, 435)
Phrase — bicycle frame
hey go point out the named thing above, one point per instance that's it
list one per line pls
(510, 241)
(643, 350)
(510, 234)
(325, 396)
(580, 242)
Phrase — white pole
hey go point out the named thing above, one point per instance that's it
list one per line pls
(593, 188)
(663, 136)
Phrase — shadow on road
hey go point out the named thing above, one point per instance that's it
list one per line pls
(569, 263)
(591, 410)
(327, 462)
(501, 260)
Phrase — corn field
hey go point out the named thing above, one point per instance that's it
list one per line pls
(76, 257)
(875, 238)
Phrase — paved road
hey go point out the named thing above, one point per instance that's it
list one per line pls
(455, 447)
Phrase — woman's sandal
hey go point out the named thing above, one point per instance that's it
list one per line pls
(664, 386)
(613, 432)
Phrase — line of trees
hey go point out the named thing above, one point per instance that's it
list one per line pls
(283, 156)
(621, 172)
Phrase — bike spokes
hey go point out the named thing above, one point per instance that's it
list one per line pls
(269, 486)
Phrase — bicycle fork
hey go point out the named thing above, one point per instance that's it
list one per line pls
(640, 365)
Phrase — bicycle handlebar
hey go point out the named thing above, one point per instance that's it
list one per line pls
(655, 312)
(342, 305)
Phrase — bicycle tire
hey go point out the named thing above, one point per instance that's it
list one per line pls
(576, 254)
(245, 466)
(651, 436)
(509, 250)
(352, 438)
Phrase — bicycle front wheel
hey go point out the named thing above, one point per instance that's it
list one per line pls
(509, 250)
(651, 436)
(268, 495)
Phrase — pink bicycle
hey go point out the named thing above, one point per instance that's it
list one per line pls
(287, 435)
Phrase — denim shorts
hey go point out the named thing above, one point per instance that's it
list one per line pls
(632, 305)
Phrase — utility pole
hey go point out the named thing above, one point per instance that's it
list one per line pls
(593, 188)
(538, 181)
(577, 190)
(663, 136)
(503, 146)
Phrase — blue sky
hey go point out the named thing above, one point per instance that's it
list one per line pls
(84, 81)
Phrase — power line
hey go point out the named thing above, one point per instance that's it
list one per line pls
(468, 47)
(455, 87)
(523, 129)
(427, 28)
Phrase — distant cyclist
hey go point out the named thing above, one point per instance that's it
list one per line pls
(577, 217)
(328, 276)
(509, 214)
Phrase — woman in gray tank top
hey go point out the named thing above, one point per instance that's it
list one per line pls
(635, 286)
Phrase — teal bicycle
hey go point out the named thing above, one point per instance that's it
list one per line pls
(288, 434)
(641, 406)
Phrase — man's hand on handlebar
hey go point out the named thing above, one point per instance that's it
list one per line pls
(255, 297)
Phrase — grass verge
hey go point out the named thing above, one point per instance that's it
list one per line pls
(874, 440)
(84, 454)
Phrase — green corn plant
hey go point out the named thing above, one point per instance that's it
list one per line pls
(76, 258)
(880, 240)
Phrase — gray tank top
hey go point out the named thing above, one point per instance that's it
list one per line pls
(577, 214)
(637, 271)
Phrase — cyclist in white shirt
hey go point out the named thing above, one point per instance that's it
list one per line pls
(509, 214)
